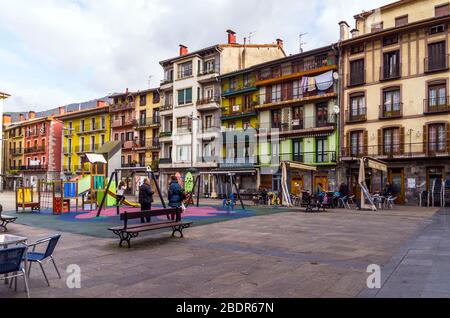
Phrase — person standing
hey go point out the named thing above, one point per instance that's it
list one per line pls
(120, 193)
(175, 193)
(146, 197)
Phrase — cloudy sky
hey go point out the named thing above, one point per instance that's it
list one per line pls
(56, 52)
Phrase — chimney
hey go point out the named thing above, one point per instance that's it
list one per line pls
(101, 103)
(280, 43)
(126, 91)
(6, 119)
(355, 33)
(31, 115)
(62, 110)
(231, 36)
(183, 50)
(21, 117)
(344, 31)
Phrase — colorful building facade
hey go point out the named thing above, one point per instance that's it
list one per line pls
(395, 70)
(147, 126)
(84, 131)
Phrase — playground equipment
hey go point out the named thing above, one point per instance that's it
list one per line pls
(365, 195)
(97, 175)
(287, 200)
(227, 185)
(27, 198)
(63, 192)
(114, 180)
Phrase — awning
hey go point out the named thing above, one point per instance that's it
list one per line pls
(95, 158)
(376, 164)
(301, 166)
(228, 172)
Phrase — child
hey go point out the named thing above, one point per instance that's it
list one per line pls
(120, 193)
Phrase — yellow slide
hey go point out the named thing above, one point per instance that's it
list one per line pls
(125, 202)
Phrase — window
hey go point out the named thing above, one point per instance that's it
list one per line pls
(208, 122)
(436, 138)
(297, 91)
(437, 59)
(156, 98)
(183, 153)
(168, 75)
(399, 21)
(391, 65)
(232, 125)
(246, 80)
(441, 10)
(276, 93)
(356, 143)
(357, 72)
(92, 143)
(209, 66)
(184, 124)
(357, 107)
(276, 118)
(142, 100)
(82, 144)
(122, 137)
(321, 150)
(297, 154)
(437, 95)
(185, 96)
(82, 125)
(322, 114)
(391, 141)
(93, 124)
(436, 29)
(246, 102)
(116, 136)
(356, 49)
(129, 159)
(185, 70)
(391, 102)
(246, 124)
(377, 27)
(103, 122)
(130, 136)
(102, 140)
(233, 83)
(297, 117)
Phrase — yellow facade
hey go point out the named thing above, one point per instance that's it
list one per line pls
(398, 108)
(147, 127)
(84, 132)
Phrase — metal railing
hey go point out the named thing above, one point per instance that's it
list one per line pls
(87, 148)
(163, 134)
(240, 85)
(214, 70)
(208, 100)
(436, 105)
(437, 63)
(238, 109)
(164, 161)
(166, 81)
(35, 149)
(149, 121)
(354, 116)
(388, 73)
(289, 94)
(391, 111)
(120, 122)
(318, 157)
(184, 73)
(16, 151)
(303, 65)
(122, 106)
(166, 107)
(147, 143)
(299, 124)
(33, 167)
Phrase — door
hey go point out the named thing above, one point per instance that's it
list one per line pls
(432, 175)
(323, 180)
(296, 185)
(396, 178)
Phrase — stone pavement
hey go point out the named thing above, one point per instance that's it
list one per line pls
(421, 268)
(292, 254)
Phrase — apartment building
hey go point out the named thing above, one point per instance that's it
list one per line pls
(147, 127)
(13, 151)
(84, 131)
(395, 69)
(123, 119)
(190, 112)
(297, 119)
(3, 96)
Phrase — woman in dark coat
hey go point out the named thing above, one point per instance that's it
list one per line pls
(146, 197)
(175, 193)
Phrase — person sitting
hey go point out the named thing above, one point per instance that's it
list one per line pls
(388, 190)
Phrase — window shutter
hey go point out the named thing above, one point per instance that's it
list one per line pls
(347, 148)
(290, 90)
(380, 142)
(268, 94)
(447, 136)
(425, 139)
(402, 140)
(365, 142)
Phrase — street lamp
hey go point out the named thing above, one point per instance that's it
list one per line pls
(193, 118)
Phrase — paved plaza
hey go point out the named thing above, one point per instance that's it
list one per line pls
(286, 254)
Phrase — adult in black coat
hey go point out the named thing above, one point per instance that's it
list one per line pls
(146, 197)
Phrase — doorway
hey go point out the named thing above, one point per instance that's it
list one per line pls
(396, 178)
(323, 180)
(296, 185)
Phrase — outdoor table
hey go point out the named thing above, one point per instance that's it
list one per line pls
(8, 239)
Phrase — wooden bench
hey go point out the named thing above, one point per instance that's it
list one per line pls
(5, 219)
(127, 232)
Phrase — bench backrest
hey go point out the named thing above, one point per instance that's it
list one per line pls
(152, 213)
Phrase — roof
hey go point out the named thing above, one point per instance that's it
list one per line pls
(80, 113)
(110, 148)
(382, 8)
(4, 95)
(95, 158)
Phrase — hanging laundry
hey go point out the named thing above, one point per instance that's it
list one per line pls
(311, 84)
(324, 81)
(304, 84)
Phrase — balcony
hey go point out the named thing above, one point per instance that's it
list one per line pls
(239, 111)
(240, 88)
(166, 109)
(286, 97)
(68, 150)
(390, 111)
(16, 151)
(208, 74)
(151, 144)
(306, 126)
(87, 129)
(184, 73)
(390, 73)
(238, 163)
(436, 105)
(148, 122)
(398, 151)
(307, 66)
(356, 79)
(127, 145)
(123, 122)
(166, 81)
(165, 161)
(71, 168)
(436, 64)
(207, 161)
(315, 158)
(35, 149)
(122, 107)
(86, 148)
(356, 115)
(208, 103)
(33, 168)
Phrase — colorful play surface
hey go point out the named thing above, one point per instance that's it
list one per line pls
(87, 222)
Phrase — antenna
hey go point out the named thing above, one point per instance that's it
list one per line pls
(250, 35)
(149, 81)
(300, 41)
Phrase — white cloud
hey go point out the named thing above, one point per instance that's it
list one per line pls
(83, 49)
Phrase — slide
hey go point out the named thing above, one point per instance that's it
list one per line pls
(84, 185)
(125, 202)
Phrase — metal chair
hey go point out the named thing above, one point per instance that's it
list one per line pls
(390, 201)
(11, 265)
(37, 257)
(343, 202)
